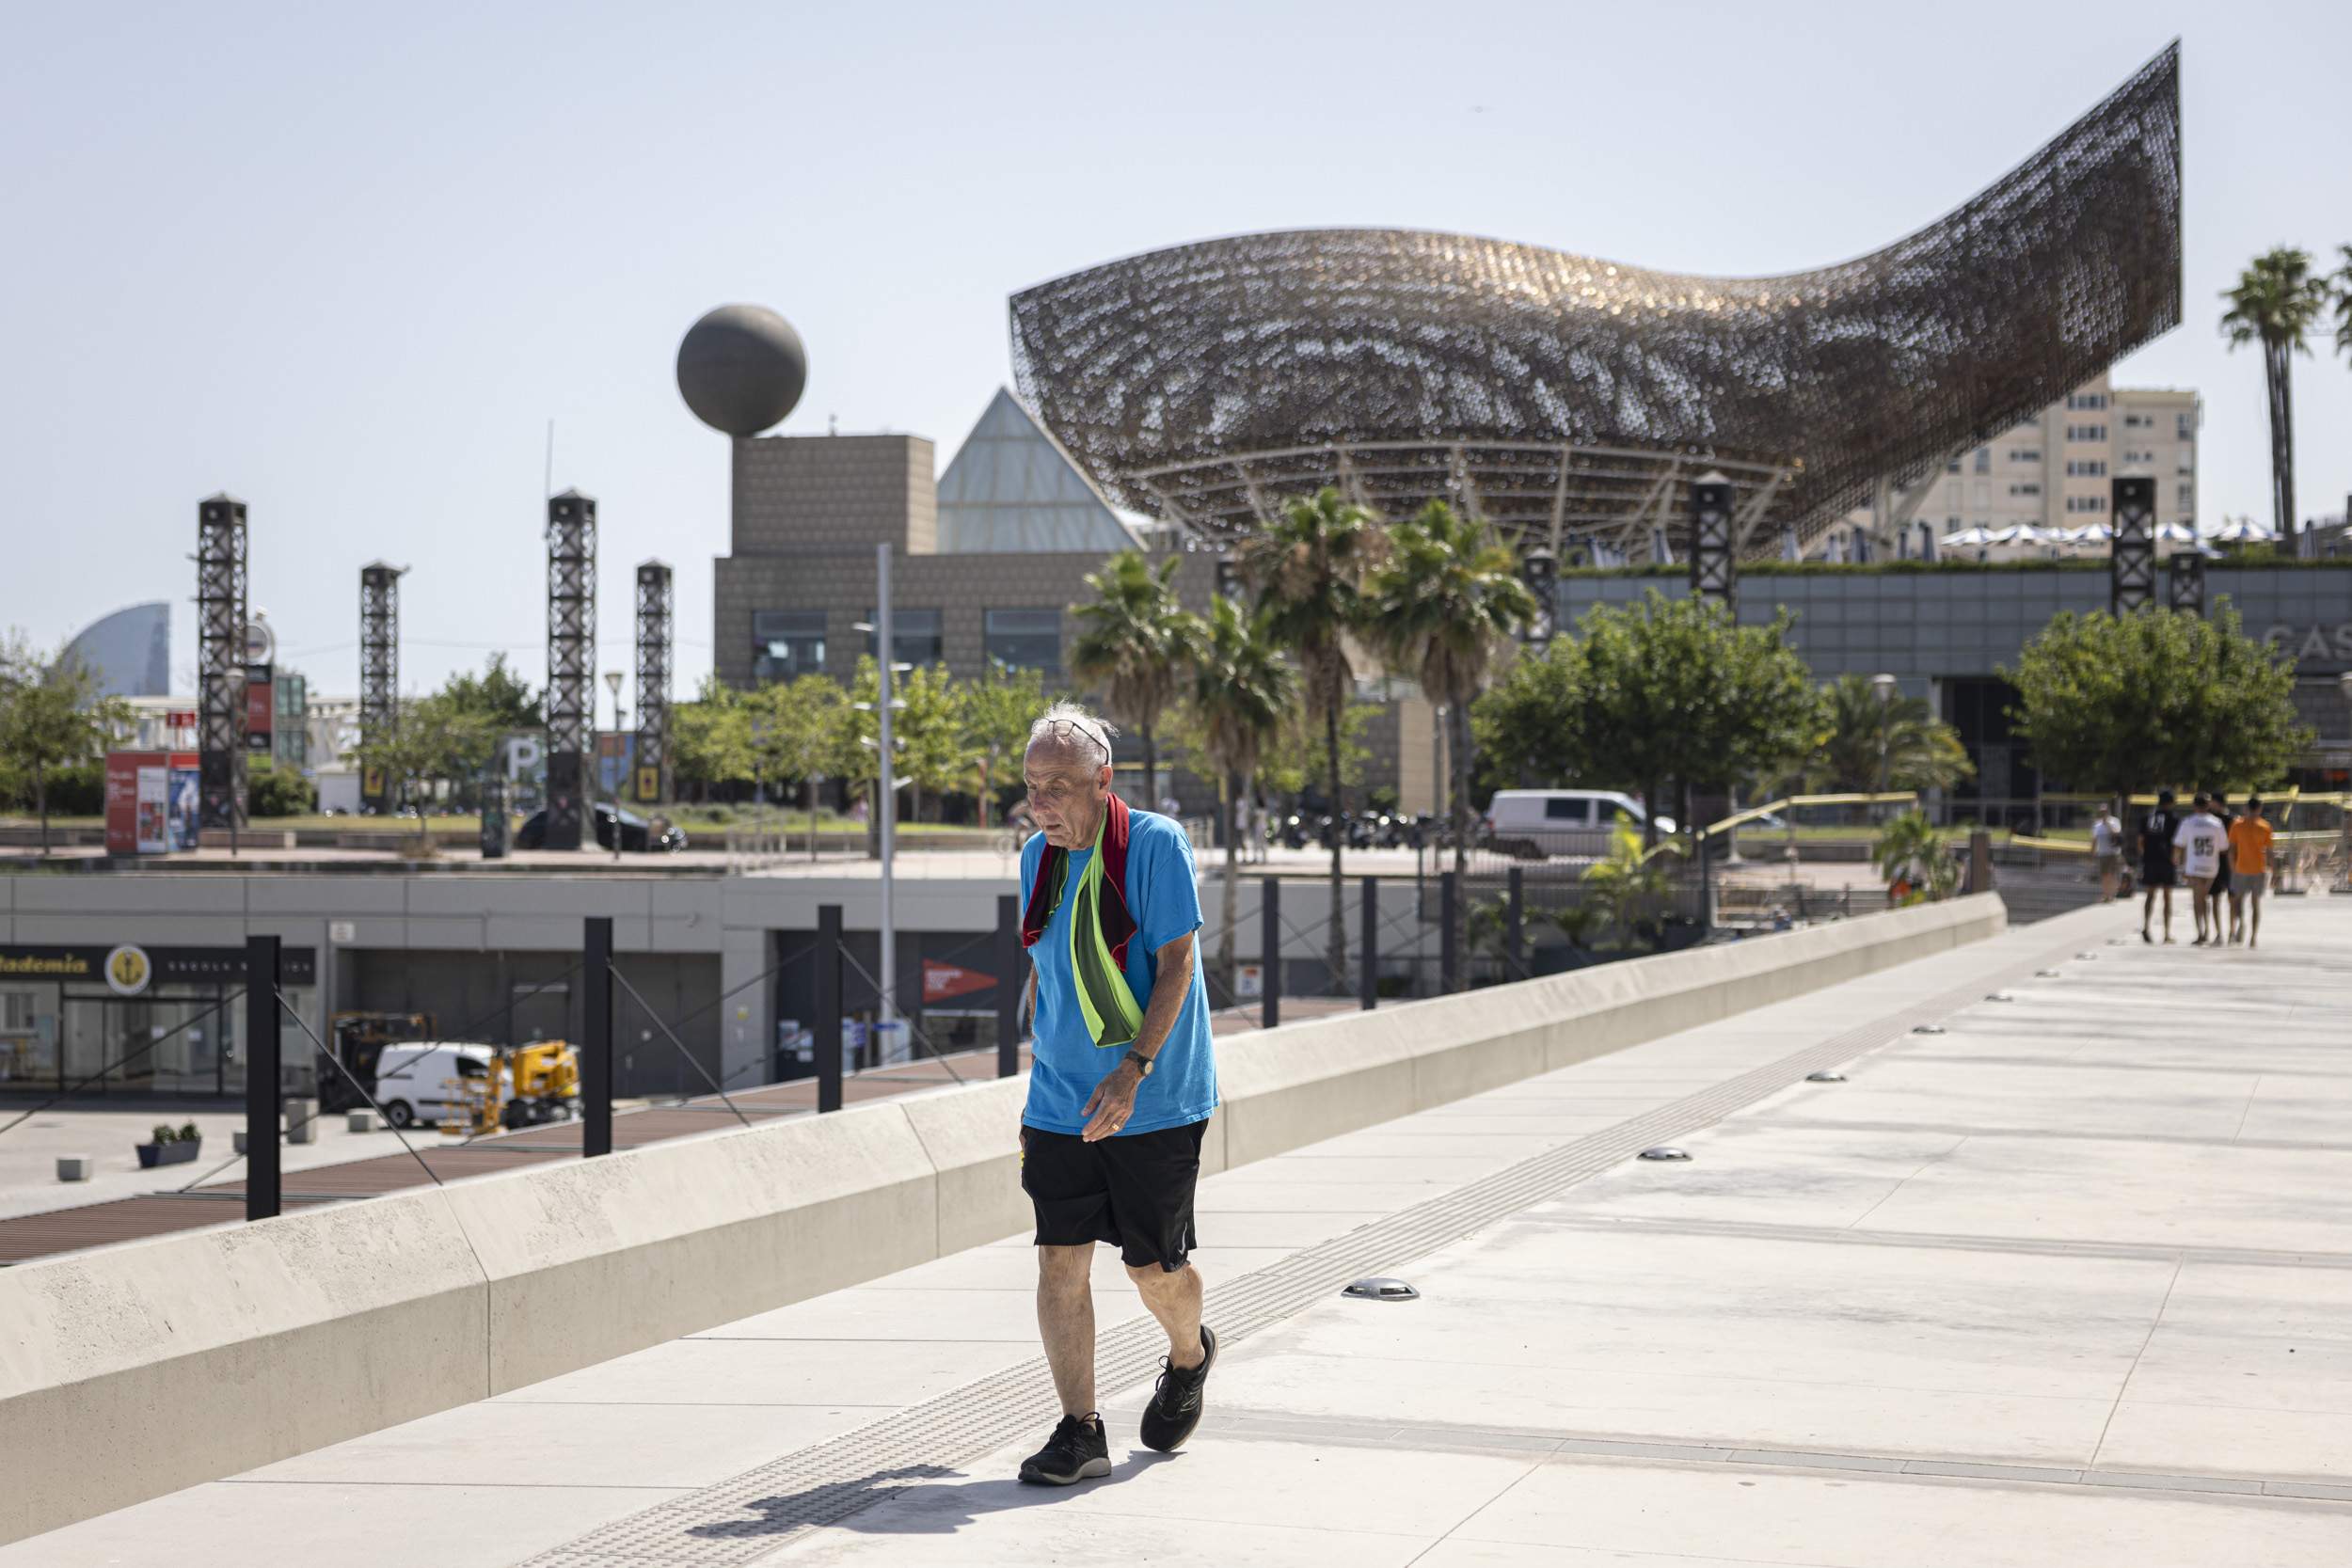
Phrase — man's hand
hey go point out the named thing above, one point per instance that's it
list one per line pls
(1112, 1102)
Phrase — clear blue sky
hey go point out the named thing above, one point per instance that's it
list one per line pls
(348, 262)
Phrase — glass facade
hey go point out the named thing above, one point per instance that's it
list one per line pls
(786, 643)
(133, 1020)
(914, 637)
(1024, 638)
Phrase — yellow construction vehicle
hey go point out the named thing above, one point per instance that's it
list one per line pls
(525, 1085)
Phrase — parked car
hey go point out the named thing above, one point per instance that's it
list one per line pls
(1575, 822)
(413, 1078)
(638, 835)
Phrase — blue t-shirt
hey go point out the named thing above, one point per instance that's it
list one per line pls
(1164, 896)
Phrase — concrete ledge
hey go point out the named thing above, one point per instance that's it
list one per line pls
(274, 1339)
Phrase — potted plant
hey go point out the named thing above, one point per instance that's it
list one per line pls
(169, 1145)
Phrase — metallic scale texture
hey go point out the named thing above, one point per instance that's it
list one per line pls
(1566, 397)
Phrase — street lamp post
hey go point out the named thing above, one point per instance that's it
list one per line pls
(1883, 686)
(613, 683)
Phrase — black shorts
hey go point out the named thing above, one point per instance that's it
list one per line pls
(2152, 874)
(1134, 1192)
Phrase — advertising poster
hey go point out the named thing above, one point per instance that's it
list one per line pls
(258, 708)
(155, 802)
(186, 796)
(617, 756)
(122, 799)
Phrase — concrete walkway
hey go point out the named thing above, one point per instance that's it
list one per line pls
(2068, 1282)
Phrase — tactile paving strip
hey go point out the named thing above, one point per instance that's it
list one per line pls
(747, 1516)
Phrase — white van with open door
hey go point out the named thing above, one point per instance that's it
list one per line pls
(1574, 822)
(413, 1079)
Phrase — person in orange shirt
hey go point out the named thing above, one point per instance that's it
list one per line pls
(2250, 869)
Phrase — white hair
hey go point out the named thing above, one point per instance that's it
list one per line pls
(1058, 722)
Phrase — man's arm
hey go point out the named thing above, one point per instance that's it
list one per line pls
(1114, 1099)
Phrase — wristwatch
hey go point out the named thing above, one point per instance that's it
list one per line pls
(1143, 1064)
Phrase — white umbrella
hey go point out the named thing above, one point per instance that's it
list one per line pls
(2171, 533)
(1967, 538)
(2089, 533)
(2239, 530)
(2017, 533)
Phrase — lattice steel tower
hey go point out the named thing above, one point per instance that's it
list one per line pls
(572, 662)
(2132, 557)
(379, 668)
(653, 682)
(220, 616)
(1714, 541)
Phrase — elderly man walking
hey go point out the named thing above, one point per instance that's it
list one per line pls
(1122, 1084)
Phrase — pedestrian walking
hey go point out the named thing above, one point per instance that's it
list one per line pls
(2249, 852)
(2106, 847)
(2157, 870)
(1122, 1083)
(2197, 846)
(2218, 806)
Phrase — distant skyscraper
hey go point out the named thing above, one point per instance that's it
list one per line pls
(130, 651)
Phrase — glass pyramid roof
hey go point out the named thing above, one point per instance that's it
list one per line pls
(1011, 489)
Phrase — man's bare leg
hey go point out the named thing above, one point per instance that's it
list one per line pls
(2254, 921)
(1175, 1300)
(1065, 1321)
(2168, 910)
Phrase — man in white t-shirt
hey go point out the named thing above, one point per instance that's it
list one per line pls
(2198, 846)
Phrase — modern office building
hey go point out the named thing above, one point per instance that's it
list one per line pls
(130, 651)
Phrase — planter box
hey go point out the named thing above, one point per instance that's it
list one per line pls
(362, 1121)
(178, 1152)
(73, 1167)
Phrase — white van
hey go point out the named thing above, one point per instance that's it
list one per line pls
(1576, 822)
(412, 1078)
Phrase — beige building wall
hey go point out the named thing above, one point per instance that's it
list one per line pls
(2056, 470)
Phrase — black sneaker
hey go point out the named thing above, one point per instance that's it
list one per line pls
(1078, 1450)
(1175, 1408)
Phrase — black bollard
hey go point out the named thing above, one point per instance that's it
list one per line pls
(1370, 982)
(260, 1078)
(1270, 951)
(828, 1007)
(595, 1029)
(1012, 971)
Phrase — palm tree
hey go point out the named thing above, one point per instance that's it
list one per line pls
(1870, 745)
(1911, 849)
(1136, 641)
(2275, 303)
(1309, 567)
(1241, 691)
(1447, 603)
(2341, 281)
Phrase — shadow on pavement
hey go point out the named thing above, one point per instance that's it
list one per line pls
(920, 1501)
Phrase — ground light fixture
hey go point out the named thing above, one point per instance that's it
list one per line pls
(1824, 1077)
(1998, 996)
(1665, 1152)
(1381, 1288)
(1927, 1028)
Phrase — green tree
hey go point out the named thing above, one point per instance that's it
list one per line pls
(274, 791)
(1447, 605)
(1662, 691)
(1309, 567)
(996, 715)
(497, 696)
(2154, 698)
(1241, 691)
(2340, 297)
(2274, 303)
(1911, 849)
(1866, 744)
(936, 756)
(711, 740)
(799, 730)
(1519, 726)
(52, 718)
(1136, 641)
(1297, 754)
(434, 740)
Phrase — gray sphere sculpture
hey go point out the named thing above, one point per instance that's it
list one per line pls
(742, 369)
